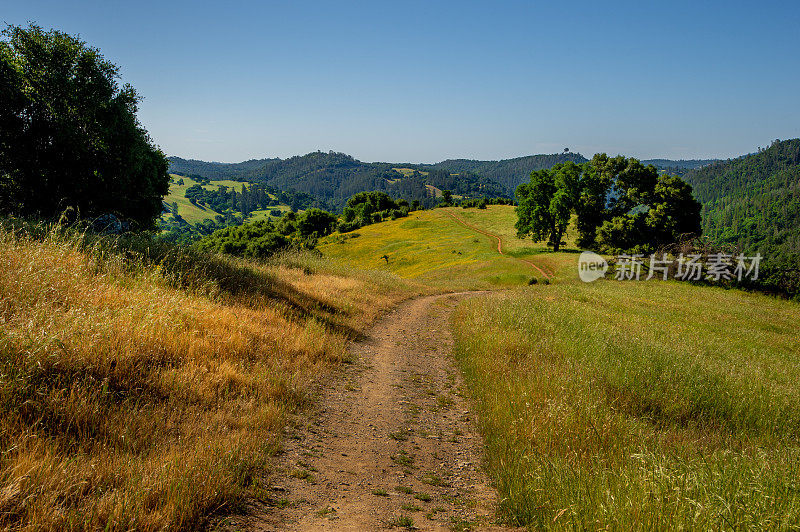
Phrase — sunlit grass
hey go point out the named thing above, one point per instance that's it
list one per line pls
(139, 392)
(637, 405)
(431, 247)
(500, 220)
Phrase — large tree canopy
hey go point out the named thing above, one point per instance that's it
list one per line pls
(546, 203)
(69, 136)
(621, 205)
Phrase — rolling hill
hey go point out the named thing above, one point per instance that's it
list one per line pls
(198, 206)
(333, 177)
(214, 170)
(152, 386)
(614, 404)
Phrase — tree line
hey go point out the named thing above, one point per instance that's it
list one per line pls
(250, 198)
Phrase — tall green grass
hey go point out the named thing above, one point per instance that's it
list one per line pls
(638, 405)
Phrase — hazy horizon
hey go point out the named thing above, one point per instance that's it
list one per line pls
(589, 156)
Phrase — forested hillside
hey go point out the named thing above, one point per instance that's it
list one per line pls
(508, 172)
(334, 177)
(217, 171)
(679, 167)
(754, 202)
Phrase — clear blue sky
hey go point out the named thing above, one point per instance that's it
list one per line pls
(425, 81)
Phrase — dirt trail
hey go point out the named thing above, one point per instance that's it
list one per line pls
(391, 442)
(463, 222)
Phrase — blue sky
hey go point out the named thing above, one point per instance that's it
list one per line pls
(425, 81)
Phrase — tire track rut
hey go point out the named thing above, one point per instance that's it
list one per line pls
(390, 443)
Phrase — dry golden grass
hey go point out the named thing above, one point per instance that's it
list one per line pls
(139, 397)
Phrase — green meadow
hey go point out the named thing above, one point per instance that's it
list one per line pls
(621, 405)
(431, 247)
(637, 405)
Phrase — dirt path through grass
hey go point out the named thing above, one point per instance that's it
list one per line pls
(463, 222)
(391, 442)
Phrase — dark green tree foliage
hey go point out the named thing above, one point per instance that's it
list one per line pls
(447, 197)
(316, 223)
(621, 205)
(218, 171)
(592, 206)
(645, 210)
(626, 206)
(263, 238)
(481, 203)
(366, 208)
(546, 203)
(255, 240)
(69, 136)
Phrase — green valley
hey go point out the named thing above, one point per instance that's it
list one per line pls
(319, 342)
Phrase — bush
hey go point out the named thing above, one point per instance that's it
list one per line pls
(346, 227)
(257, 240)
(315, 222)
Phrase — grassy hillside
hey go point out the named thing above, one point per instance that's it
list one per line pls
(433, 247)
(500, 220)
(144, 387)
(623, 405)
(637, 406)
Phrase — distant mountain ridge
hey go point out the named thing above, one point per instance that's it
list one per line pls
(217, 171)
(686, 164)
(333, 177)
(508, 172)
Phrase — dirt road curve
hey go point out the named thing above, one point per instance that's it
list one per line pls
(391, 444)
(463, 222)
